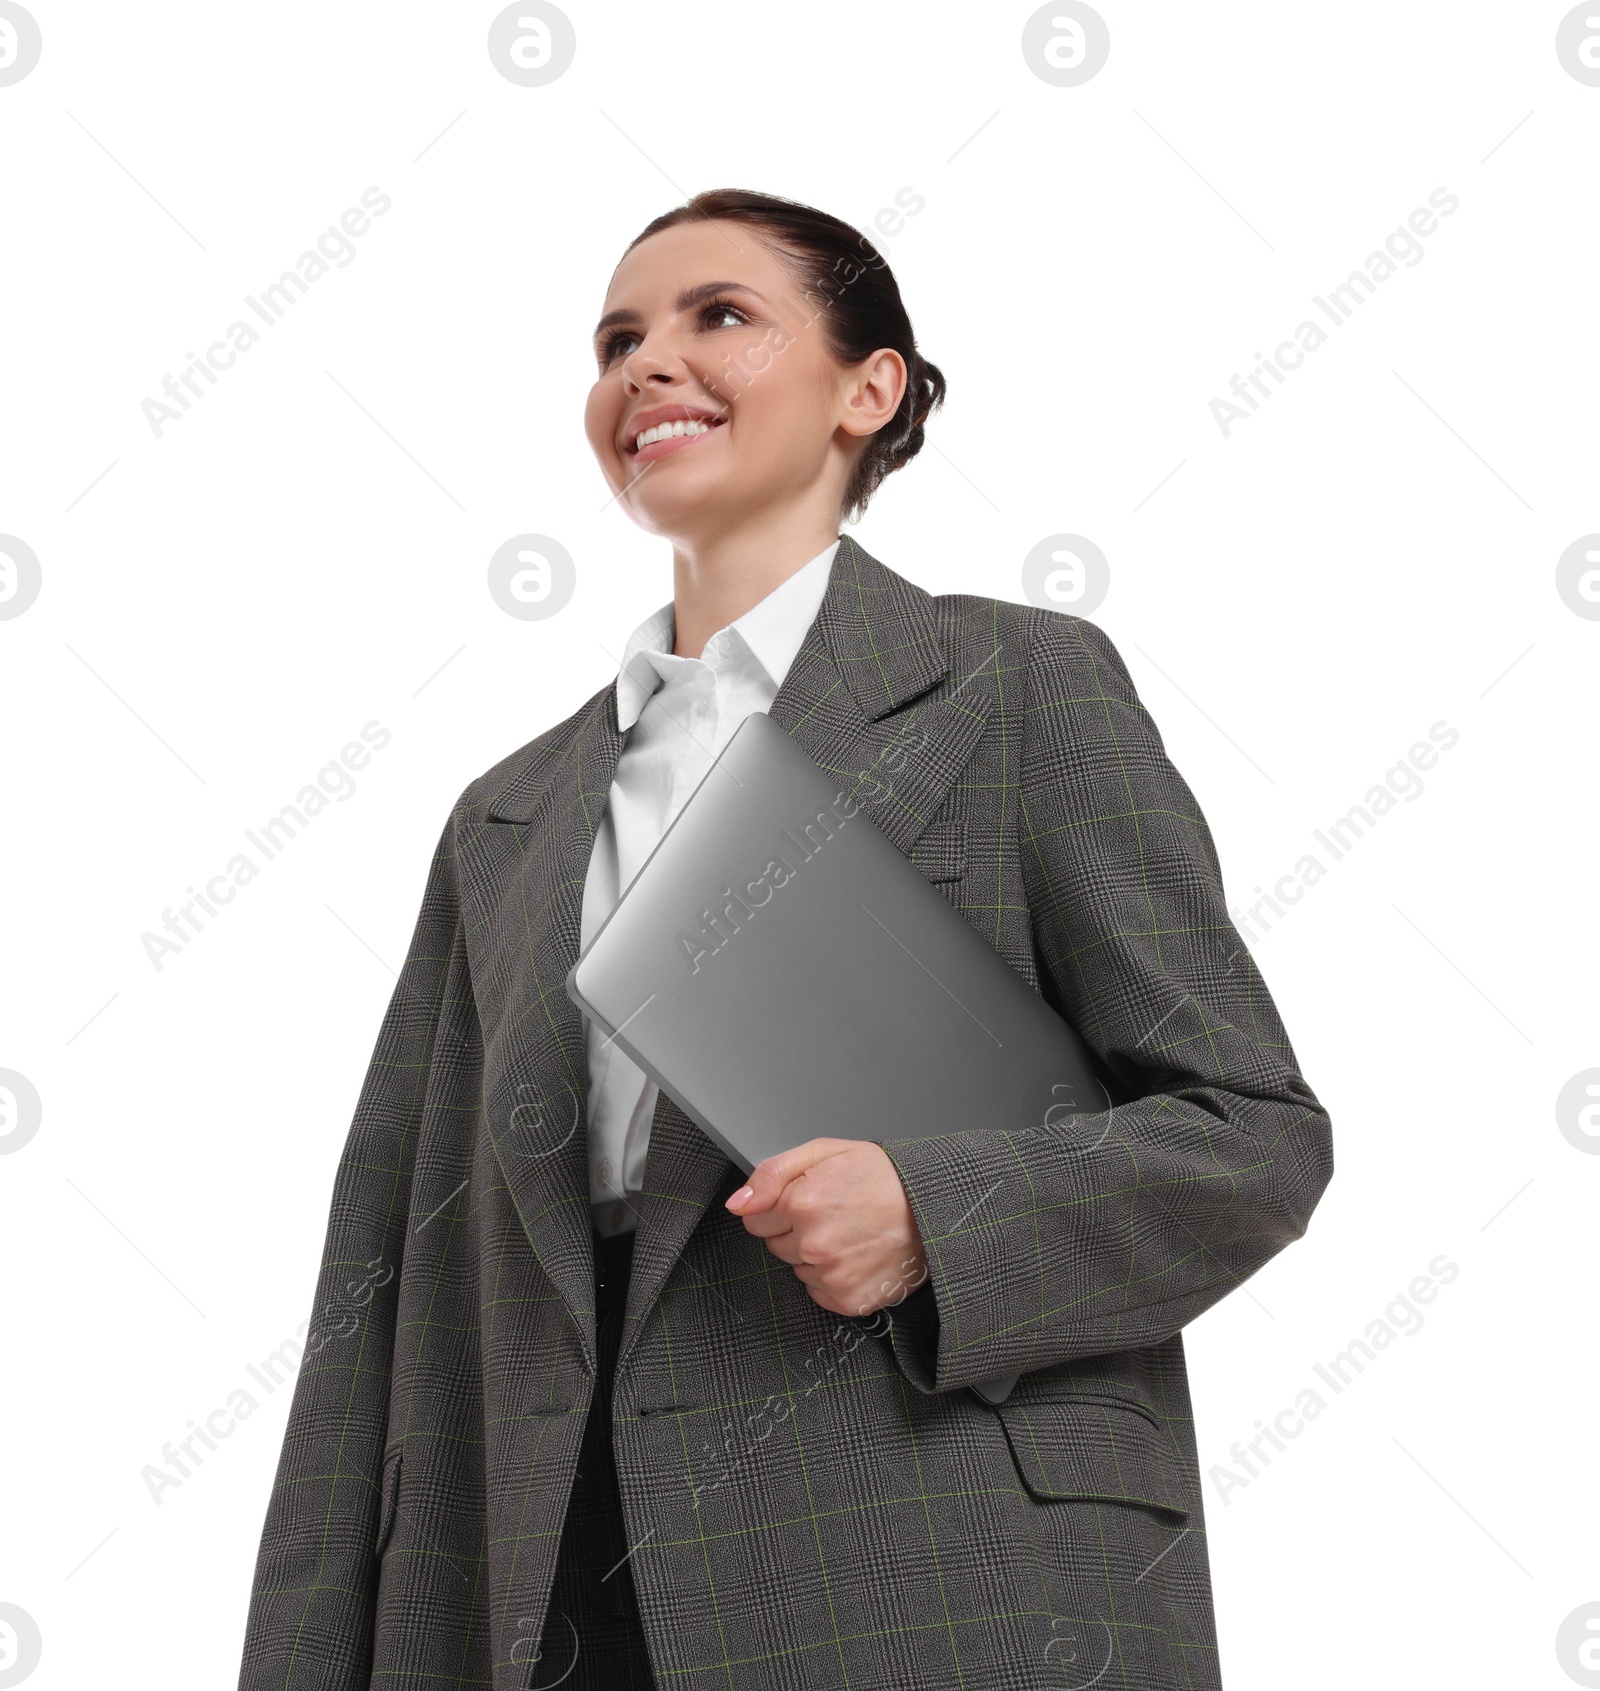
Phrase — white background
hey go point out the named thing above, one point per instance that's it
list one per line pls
(225, 605)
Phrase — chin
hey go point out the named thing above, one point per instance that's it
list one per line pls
(678, 508)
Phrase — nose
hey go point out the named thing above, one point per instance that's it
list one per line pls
(652, 363)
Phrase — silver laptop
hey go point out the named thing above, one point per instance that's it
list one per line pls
(784, 972)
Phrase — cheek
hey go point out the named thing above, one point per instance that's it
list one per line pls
(770, 408)
(601, 417)
(783, 420)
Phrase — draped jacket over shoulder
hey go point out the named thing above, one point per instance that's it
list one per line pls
(814, 1501)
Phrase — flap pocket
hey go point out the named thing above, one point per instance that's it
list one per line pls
(1095, 1447)
(941, 852)
(391, 1491)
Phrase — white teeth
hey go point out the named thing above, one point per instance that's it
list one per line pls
(666, 431)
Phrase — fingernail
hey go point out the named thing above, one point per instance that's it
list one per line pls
(742, 1195)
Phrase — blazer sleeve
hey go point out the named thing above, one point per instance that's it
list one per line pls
(311, 1612)
(1102, 1232)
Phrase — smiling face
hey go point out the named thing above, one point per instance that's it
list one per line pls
(717, 396)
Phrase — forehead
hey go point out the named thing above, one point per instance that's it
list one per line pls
(703, 249)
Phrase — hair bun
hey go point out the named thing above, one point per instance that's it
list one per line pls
(924, 395)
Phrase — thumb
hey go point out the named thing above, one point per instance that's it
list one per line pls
(769, 1177)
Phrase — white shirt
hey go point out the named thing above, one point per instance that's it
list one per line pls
(677, 713)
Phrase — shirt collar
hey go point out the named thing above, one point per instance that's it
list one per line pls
(771, 631)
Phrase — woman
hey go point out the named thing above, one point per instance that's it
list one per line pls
(581, 1405)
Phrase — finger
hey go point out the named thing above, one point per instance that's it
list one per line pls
(786, 1248)
(769, 1177)
(770, 1223)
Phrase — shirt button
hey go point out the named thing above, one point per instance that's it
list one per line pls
(605, 1171)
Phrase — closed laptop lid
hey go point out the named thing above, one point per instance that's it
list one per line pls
(784, 972)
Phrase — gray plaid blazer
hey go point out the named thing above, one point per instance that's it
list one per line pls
(815, 1502)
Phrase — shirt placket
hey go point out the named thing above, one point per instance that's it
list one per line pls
(698, 736)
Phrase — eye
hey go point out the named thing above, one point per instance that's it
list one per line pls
(714, 314)
(610, 344)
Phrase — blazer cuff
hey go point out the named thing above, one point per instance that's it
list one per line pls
(914, 1335)
(947, 1336)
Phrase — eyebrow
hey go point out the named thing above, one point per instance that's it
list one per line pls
(686, 301)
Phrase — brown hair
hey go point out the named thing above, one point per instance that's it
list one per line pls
(841, 273)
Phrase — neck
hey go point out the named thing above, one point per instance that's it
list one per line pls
(716, 579)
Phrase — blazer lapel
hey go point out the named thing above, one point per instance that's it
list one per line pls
(851, 700)
(522, 875)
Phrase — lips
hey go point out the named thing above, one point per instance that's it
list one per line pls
(677, 426)
(672, 443)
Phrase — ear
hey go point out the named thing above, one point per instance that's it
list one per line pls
(872, 392)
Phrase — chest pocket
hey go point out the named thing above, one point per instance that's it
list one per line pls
(941, 852)
(390, 1502)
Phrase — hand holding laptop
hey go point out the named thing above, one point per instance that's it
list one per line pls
(835, 1210)
(780, 968)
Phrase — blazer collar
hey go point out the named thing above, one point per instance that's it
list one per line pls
(770, 632)
(871, 652)
(877, 628)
